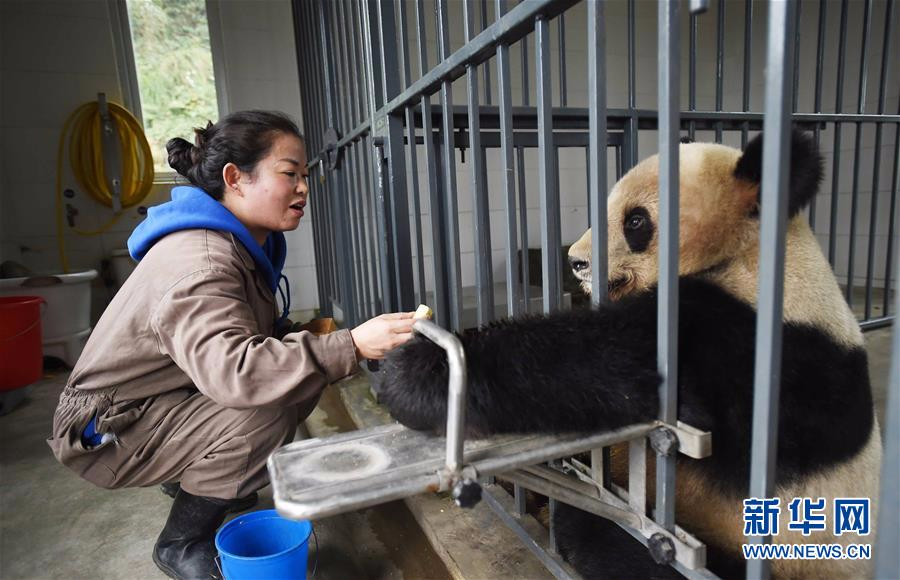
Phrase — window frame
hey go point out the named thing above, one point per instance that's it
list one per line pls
(123, 51)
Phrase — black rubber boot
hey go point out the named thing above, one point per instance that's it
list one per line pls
(186, 547)
(241, 504)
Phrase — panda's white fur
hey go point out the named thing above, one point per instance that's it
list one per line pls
(596, 370)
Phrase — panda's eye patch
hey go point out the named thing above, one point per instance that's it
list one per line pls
(638, 229)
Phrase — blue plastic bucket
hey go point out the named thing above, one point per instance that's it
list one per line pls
(263, 544)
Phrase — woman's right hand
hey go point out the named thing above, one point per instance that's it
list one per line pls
(377, 336)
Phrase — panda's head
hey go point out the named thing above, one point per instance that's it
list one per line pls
(719, 212)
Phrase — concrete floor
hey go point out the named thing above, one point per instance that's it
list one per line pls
(55, 525)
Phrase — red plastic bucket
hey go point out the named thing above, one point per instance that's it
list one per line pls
(21, 356)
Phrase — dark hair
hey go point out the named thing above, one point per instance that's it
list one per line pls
(242, 138)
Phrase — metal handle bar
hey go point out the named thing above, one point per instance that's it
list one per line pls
(456, 397)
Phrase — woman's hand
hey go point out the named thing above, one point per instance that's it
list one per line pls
(377, 336)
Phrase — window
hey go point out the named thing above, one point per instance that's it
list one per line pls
(167, 67)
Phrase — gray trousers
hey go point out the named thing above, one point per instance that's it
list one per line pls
(181, 435)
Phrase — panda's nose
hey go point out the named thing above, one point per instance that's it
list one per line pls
(578, 264)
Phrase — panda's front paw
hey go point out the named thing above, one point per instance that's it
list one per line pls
(412, 384)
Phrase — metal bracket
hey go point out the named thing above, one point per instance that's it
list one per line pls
(112, 165)
(331, 152)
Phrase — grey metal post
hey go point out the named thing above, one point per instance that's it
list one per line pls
(873, 210)
(667, 306)
(412, 158)
(773, 223)
(451, 211)
(513, 295)
(596, 39)
(887, 557)
(400, 270)
(748, 51)
(563, 89)
(486, 67)
(631, 126)
(340, 228)
(441, 304)
(836, 162)
(895, 181)
(547, 163)
(860, 109)
(484, 282)
(720, 63)
(817, 104)
(523, 226)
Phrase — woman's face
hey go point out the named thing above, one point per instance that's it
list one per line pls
(273, 197)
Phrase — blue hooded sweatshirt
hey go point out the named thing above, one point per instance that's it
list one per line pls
(192, 208)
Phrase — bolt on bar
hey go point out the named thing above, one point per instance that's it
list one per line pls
(667, 307)
(598, 179)
(484, 284)
(773, 224)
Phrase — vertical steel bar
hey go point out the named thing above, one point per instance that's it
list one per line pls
(836, 160)
(398, 198)
(486, 65)
(372, 175)
(895, 181)
(412, 157)
(773, 223)
(526, 90)
(484, 283)
(597, 130)
(340, 226)
(887, 557)
(563, 89)
(667, 313)
(523, 226)
(508, 162)
(873, 210)
(692, 72)
(637, 475)
(308, 111)
(631, 126)
(441, 304)
(796, 91)
(817, 104)
(357, 151)
(720, 63)
(547, 177)
(748, 51)
(451, 211)
(860, 109)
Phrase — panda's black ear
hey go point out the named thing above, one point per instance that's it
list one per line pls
(806, 168)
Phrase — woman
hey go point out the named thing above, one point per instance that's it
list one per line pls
(182, 379)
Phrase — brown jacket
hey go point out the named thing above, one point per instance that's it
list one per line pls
(195, 313)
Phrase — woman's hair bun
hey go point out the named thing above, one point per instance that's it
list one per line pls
(182, 155)
(201, 135)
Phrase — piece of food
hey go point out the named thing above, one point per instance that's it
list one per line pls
(423, 311)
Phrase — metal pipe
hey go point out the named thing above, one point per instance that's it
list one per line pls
(486, 67)
(451, 212)
(456, 397)
(563, 90)
(873, 210)
(484, 283)
(597, 150)
(773, 224)
(508, 179)
(748, 51)
(720, 62)
(895, 181)
(667, 307)
(861, 108)
(547, 176)
(523, 226)
(817, 105)
(836, 160)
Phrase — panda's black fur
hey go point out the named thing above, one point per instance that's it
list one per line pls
(596, 370)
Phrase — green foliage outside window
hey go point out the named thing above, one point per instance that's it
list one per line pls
(174, 68)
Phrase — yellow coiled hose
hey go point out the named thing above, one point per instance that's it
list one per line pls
(84, 130)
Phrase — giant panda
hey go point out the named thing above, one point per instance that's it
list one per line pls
(596, 370)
